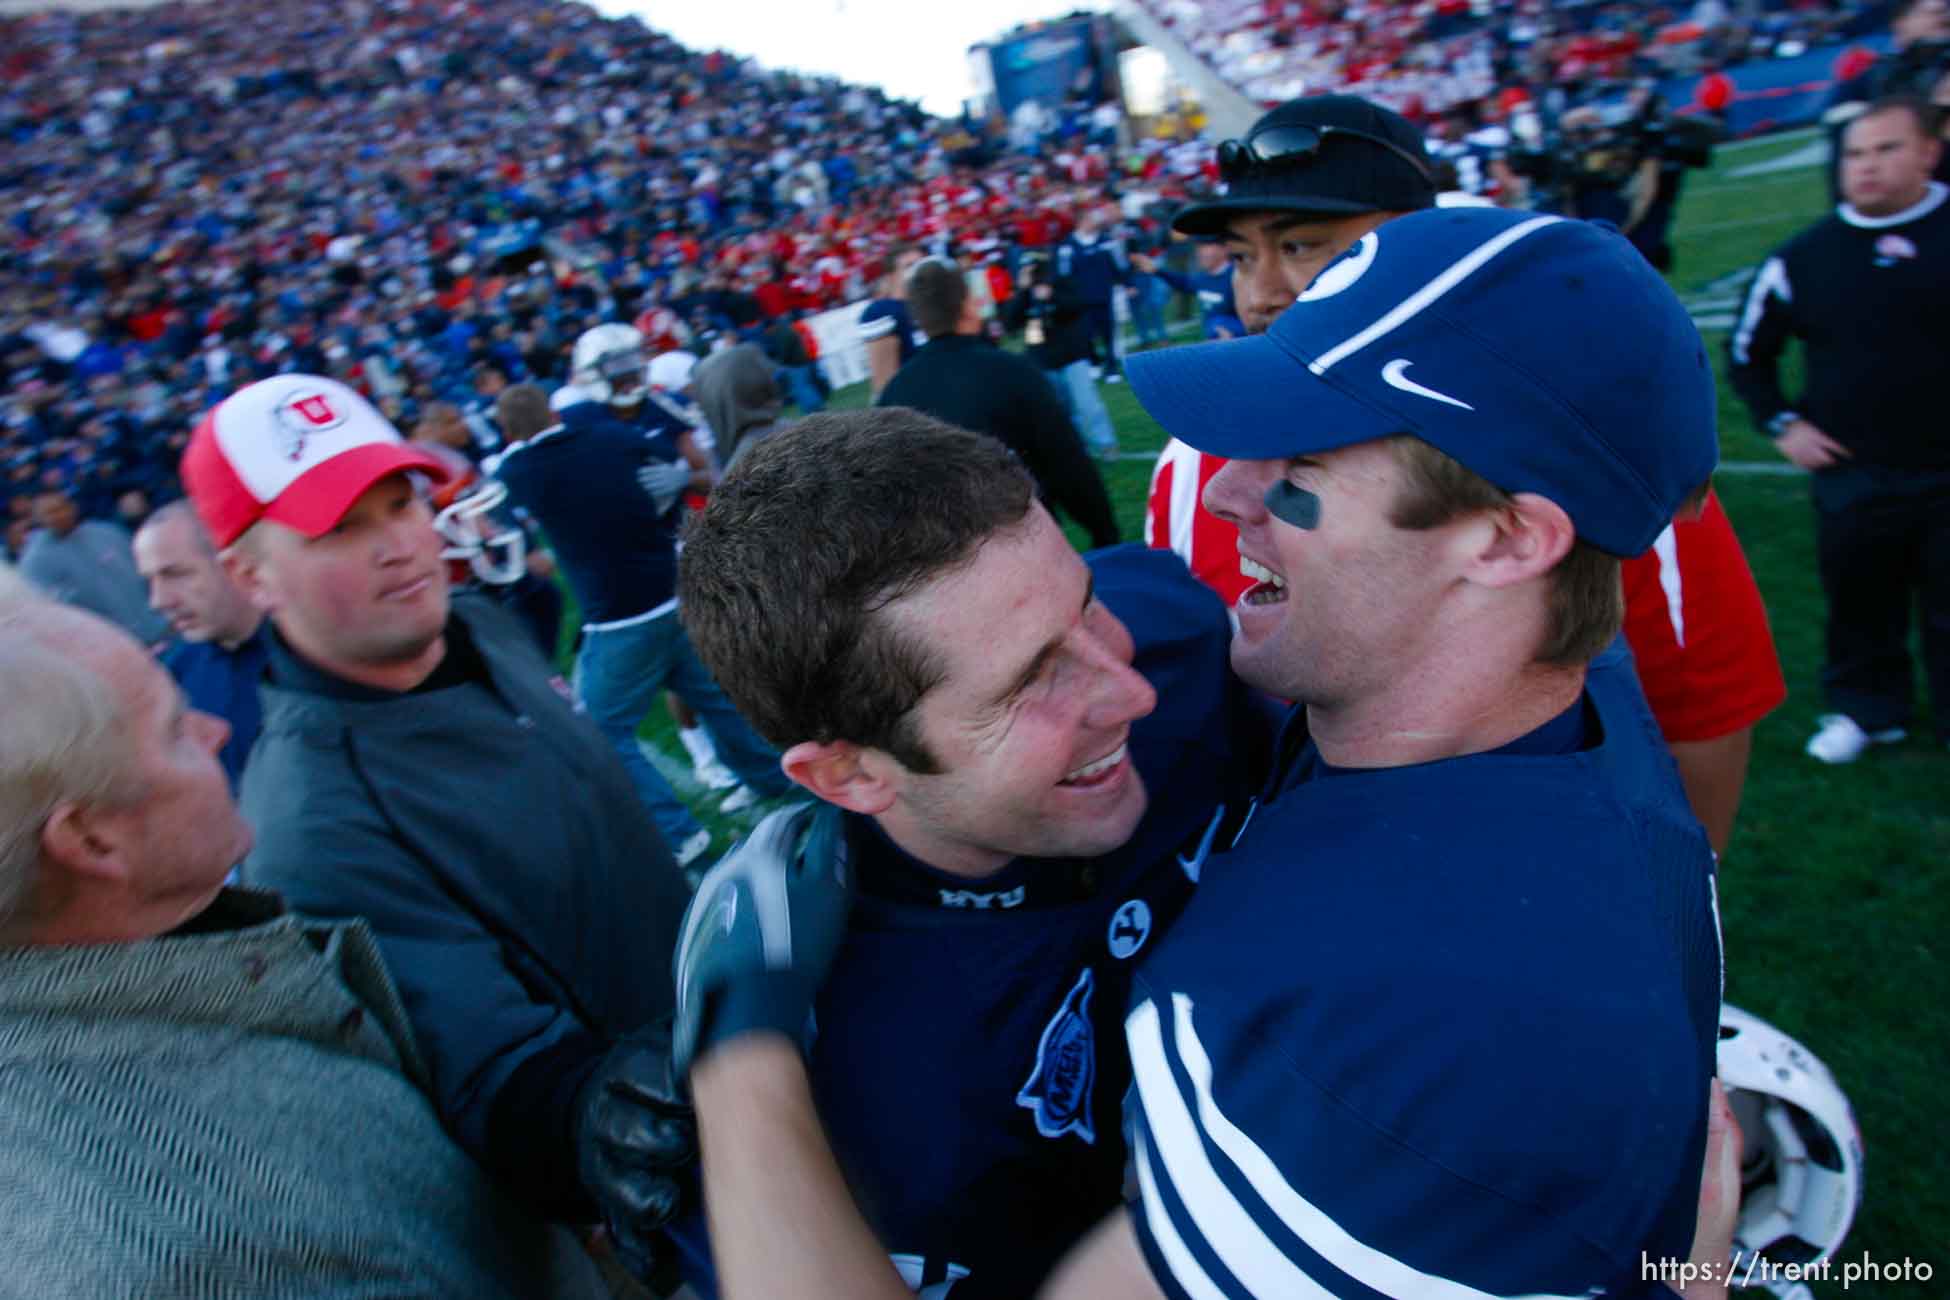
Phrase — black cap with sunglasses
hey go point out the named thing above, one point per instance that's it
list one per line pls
(1331, 154)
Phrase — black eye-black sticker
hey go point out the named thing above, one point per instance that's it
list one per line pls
(1295, 505)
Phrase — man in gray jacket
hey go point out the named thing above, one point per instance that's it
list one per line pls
(419, 767)
(87, 563)
(204, 1097)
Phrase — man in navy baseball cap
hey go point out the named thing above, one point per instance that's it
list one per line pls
(1540, 353)
(1302, 186)
(1461, 966)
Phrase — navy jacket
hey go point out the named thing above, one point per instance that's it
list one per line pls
(523, 900)
(578, 481)
(224, 682)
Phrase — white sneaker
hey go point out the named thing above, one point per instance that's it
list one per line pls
(1842, 740)
(694, 848)
(714, 775)
(739, 800)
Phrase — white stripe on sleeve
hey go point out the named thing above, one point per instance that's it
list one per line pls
(1228, 1226)
(1772, 280)
(1666, 548)
(1185, 1268)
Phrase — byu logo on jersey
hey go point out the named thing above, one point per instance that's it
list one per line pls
(982, 902)
(1059, 1087)
(1130, 928)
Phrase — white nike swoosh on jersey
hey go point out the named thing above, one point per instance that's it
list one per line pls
(1391, 374)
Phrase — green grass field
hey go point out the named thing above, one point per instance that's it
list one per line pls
(1836, 889)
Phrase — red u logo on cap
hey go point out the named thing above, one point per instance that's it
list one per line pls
(316, 409)
(302, 415)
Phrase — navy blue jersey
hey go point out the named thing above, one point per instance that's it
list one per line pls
(1472, 156)
(889, 318)
(1444, 1029)
(578, 480)
(1094, 268)
(1213, 289)
(969, 1063)
(224, 682)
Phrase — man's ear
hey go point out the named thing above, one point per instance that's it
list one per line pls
(84, 842)
(1525, 540)
(854, 777)
(246, 572)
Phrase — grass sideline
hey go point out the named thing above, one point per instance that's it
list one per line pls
(1835, 891)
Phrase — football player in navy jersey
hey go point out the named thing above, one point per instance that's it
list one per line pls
(1441, 1018)
(886, 328)
(1024, 741)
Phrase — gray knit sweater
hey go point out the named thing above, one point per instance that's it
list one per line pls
(236, 1110)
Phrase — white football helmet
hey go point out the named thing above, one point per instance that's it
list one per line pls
(608, 364)
(1801, 1172)
(474, 519)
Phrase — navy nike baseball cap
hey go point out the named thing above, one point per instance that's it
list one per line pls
(1544, 354)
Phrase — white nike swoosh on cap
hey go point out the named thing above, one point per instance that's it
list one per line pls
(1391, 374)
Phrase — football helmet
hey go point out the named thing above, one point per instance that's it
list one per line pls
(472, 515)
(1801, 1170)
(608, 364)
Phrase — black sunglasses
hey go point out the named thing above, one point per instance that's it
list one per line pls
(1287, 144)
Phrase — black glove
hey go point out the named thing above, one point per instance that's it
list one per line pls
(762, 931)
(635, 1139)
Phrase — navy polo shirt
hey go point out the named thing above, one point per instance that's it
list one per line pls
(224, 682)
(1444, 1029)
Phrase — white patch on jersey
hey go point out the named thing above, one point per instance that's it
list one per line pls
(1666, 547)
(1129, 928)
(914, 1271)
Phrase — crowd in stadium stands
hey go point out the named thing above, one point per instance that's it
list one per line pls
(1429, 57)
(432, 200)
(429, 200)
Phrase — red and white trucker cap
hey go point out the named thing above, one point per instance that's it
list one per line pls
(295, 449)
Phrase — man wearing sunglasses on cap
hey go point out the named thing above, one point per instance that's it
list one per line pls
(1308, 180)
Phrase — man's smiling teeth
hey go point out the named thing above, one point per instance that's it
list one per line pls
(1102, 765)
(1260, 573)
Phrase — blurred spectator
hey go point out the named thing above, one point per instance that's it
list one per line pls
(740, 398)
(1057, 338)
(783, 344)
(963, 379)
(1093, 264)
(87, 563)
(219, 655)
(887, 328)
(606, 482)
